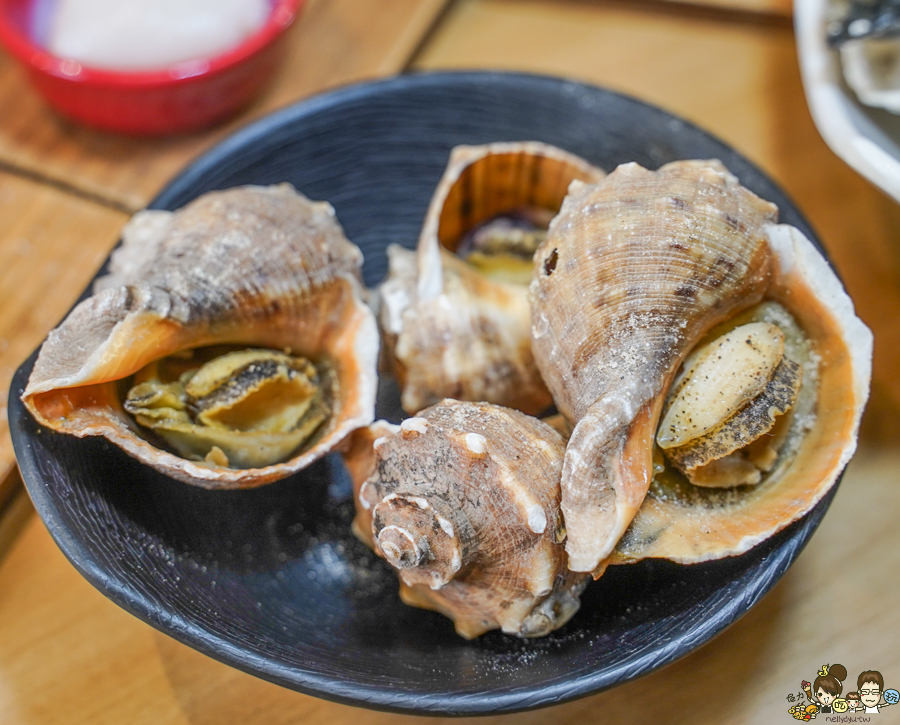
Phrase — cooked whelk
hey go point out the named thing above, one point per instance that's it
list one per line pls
(486, 184)
(259, 267)
(449, 330)
(702, 459)
(633, 272)
(471, 342)
(463, 501)
(730, 395)
(723, 377)
(503, 248)
(254, 406)
(804, 453)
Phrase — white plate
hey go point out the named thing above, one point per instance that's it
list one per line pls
(866, 138)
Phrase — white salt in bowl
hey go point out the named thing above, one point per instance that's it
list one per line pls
(183, 97)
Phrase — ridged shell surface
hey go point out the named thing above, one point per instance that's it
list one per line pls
(463, 501)
(471, 342)
(687, 524)
(451, 331)
(253, 266)
(634, 271)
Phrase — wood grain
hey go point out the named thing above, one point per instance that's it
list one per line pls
(74, 658)
(739, 80)
(15, 510)
(51, 243)
(332, 43)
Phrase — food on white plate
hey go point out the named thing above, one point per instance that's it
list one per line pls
(867, 36)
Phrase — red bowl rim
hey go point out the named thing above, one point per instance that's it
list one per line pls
(40, 60)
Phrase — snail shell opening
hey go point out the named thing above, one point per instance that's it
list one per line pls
(454, 313)
(252, 267)
(635, 271)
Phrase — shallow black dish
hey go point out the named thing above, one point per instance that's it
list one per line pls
(271, 580)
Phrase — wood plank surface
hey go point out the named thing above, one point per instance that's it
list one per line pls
(769, 7)
(69, 656)
(51, 243)
(332, 43)
(741, 81)
(15, 509)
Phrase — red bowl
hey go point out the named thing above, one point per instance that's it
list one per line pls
(184, 97)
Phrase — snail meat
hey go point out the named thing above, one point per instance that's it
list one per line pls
(634, 273)
(245, 409)
(260, 269)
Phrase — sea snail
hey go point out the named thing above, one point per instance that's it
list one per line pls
(635, 272)
(261, 275)
(454, 312)
(463, 502)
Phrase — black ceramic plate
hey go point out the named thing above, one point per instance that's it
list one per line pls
(271, 580)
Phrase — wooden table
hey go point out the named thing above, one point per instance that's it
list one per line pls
(68, 655)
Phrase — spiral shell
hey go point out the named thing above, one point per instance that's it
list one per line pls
(634, 272)
(449, 330)
(259, 267)
(463, 501)
(689, 524)
(471, 342)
